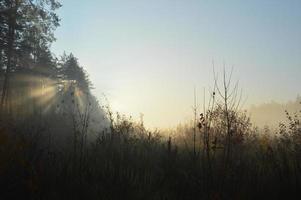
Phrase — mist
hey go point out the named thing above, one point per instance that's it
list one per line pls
(272, 114)
(161, 99)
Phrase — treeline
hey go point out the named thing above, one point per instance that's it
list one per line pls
(41, 93)
(33, 80)
(26, 34)
(26, 62)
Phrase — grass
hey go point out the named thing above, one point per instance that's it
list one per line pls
(221, 155)
(129, 162)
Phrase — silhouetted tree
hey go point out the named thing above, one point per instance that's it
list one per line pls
(26, 32)
(72, 71)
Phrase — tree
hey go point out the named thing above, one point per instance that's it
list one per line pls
(26, 31)
(70, 70)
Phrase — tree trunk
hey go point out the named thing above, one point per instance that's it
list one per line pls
(11, 41)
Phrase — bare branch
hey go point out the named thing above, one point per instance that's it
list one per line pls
(215, 76)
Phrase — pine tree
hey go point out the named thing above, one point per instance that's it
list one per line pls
(26, 33)
(72, 71)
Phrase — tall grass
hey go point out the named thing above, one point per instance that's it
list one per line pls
(129, 162)
(224, 157)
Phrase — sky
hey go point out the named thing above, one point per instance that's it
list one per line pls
(148, 56)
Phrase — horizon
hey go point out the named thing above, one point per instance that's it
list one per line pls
(147, 57)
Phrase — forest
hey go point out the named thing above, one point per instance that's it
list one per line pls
(58, 141)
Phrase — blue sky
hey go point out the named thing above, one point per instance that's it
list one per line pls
(147, 56)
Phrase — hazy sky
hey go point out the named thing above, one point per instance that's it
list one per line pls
(147, 55)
